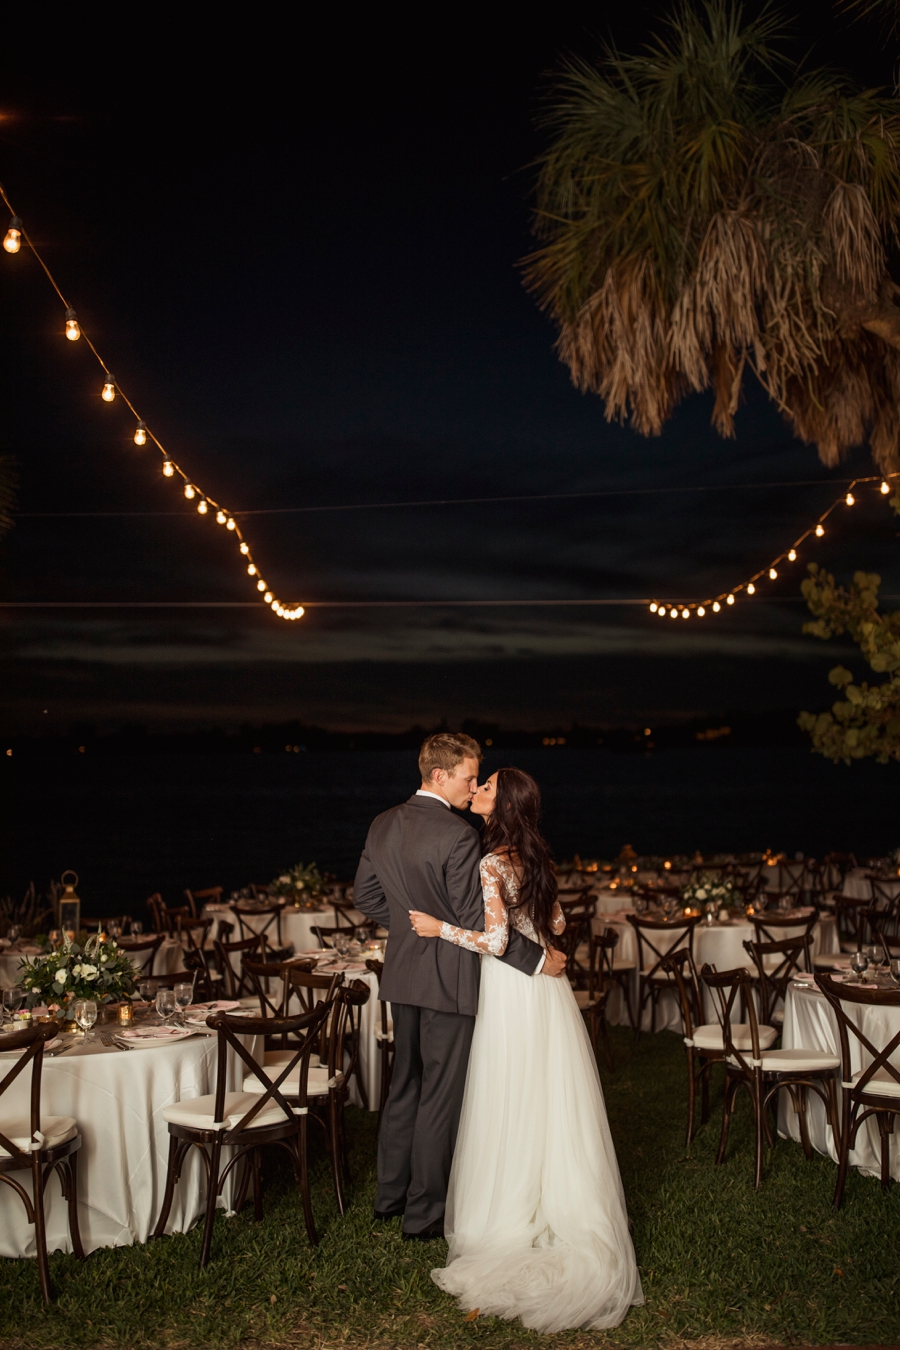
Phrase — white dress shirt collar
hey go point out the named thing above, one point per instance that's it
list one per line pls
(423, 792)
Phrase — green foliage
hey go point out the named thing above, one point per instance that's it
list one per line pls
(94, 969)
(866, 721)
(305, 879)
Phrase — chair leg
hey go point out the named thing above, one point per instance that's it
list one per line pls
(727, 1108)
(705, 1075)
(212, 1195)
(171, 1178)
(692, 1093)
(844, 1154)
(40, 1228)
(759, 1112)
(336, 1159)
(71, 1192)
(802, 1103)
(885, 1129)
(303, 1162)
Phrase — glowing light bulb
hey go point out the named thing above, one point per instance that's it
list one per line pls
(190, 491)
(230, 524)
(108, 392)
(701, 611)
(751, 589)
(685, 613)
(245, 548)
(279, 610)
(716, 607)
(251, 570)
(299, 612)
(792, 556)
(729, 599)
(654, 607)
(849, 499)
(268, 597)
(884, 489)
(203, 506)
(168, 468)
(260, 585)
(772, 574)
(221, 517)
(13, 240)
(662, 611)
(140, 435)
(673, 613)
(73, 332)
(820, 530)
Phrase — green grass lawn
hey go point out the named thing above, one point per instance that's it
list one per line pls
(720, 1263)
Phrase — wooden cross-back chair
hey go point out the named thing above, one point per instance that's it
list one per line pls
(776, 965)
(306, 986)
(269, 1113)
(384, 1036)
(324, 933)
(793, 877)
(883, 915)
(209, 895)
(237, 984)
(653, 977)
(851, 916)
(778, 927)
(267, 921)
(144, 950)
(328, 1082)
(39, 1144)
(575, 938)
(763, 1073)
(872, 1092)
(593, 1000)
(165, 918)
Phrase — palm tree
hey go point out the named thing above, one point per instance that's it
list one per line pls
(705, 209)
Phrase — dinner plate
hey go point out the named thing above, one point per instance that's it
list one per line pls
(218, 1005)
(140, 1039)
(14, 1054)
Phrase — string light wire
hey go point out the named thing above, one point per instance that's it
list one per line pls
(112, 389)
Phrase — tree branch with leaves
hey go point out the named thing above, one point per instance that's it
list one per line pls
(866, 721)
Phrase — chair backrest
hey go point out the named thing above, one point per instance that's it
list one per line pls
(209, 895)
(267, 919)
(301, 1033)
(680, 963)
(776, 965)
(342, 1028)
(885, 919)
(850, 1031)
(306, 988)
(776, 927)
(263, 974)
(193, 933)
(600, 970)
(145, 948)
(649, 934)
(236, 984)
(793, 877)
(31, 1042)
(192, 977)
(727, 987)
(157, 912)
(850, 916)
(323, 933)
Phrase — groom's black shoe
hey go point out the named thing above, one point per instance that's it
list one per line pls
(382, 1215)
(429, 1234)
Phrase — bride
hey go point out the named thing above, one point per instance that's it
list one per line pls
(536, 1219)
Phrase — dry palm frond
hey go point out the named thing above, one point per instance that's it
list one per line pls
(698, 215)
(9, 479)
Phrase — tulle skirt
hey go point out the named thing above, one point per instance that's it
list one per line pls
(536, 1217)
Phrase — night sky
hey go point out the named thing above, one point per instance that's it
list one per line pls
(297, 252)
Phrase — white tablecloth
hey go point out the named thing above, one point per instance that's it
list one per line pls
(117, 1097)
(810, 1024)
(857, 885)
(10, 962)
(718, 944)
(296, 924)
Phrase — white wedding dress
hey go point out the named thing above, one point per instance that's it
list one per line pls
(536, 1217)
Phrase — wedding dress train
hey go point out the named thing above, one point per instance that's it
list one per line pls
(536, 1219)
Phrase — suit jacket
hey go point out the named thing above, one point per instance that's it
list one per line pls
(422, 856)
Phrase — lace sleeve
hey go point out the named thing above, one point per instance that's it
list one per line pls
(557, 919)
(496, 923)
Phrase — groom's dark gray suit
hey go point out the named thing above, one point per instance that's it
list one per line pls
(421, 855)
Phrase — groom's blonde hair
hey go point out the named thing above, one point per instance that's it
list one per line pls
(445, 751)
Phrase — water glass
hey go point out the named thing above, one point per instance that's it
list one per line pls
(85, 1015)
(895, 970)
(183, 995)
(14, 932)
(860, 963)
(137, 928)
(145, 989)
(165, 1004)
(11, 1001)
(340, 942)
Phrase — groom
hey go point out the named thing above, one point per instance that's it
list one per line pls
(422, 856)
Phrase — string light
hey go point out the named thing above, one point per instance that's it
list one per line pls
(716, 607)
(751, 589)
(701, 611)
(673, 613)
(268, 597)
(729, 599)
(653, 607)
(772, 574)
(685, 613)
(662, 611)
(820, 530)
(850, 499)
(12, 241)
(884, 489)
(792, 555)
(260, 585)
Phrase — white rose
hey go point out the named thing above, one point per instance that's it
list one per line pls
(104, 959)
(60, 977)
(89, 972)
(701, 894)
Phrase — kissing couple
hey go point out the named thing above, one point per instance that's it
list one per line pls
(494, 1134)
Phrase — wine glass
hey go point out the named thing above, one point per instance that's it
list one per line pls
(875, 956)
(114, 930)
(14, 932)
(165, 1005)
(895, 970)
(137, 928)
(760, 900)
(340, 942)
(183, 995)
(11, 1000)
(860, 963)
(85, 1016)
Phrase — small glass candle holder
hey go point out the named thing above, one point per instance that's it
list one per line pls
(126, 1014)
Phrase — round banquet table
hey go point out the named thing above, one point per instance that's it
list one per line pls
(296, 924)
(857, 885)
(717, 944)
(10, 962)
(810, 1024)
(117, 1097)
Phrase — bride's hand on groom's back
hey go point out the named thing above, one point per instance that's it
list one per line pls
(426, 925)
(554, 963)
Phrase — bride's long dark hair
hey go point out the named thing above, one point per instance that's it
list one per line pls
(514, 826)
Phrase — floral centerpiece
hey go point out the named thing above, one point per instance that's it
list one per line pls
(300, 883)
(98, 970)
(711, 892)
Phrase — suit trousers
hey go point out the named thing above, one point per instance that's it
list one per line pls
(421, 1115)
